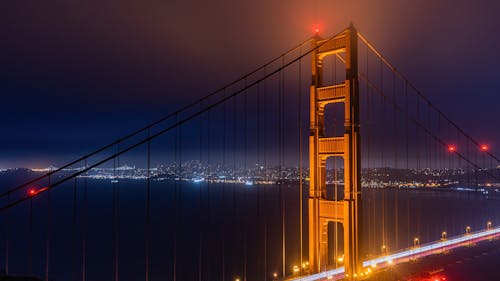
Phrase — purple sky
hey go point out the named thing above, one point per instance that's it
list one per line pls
(77, 74)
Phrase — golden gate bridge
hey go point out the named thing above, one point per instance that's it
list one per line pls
(273, 176)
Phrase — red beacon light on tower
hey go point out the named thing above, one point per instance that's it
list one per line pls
(316, 29)
(452, 148)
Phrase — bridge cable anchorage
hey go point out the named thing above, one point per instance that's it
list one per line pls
(159, 133)
(421, 95)
(158, 121)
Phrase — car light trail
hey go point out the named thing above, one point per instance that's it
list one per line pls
(402, 256)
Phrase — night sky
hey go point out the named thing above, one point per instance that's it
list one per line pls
(75, 75)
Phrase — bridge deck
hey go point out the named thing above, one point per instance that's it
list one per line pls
(407, 255)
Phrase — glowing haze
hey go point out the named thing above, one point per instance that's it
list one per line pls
(77, 74)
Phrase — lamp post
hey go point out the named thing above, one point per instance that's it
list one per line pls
(467, 230)
(416, 242)
(383, 249)
(443, 235)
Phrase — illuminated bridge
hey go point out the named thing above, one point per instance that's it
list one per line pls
(323, 163)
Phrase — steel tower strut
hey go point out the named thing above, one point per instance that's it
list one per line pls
(322, 210)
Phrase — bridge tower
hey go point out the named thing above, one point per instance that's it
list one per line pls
(347, 211)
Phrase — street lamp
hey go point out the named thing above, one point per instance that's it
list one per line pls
(296, 269)
(467, 230)
(275, 276)
(383, 248)
(416, 241)
(443, 235)
(305, 265)
(489, 225)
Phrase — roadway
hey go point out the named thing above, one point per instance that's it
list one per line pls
(388, 261)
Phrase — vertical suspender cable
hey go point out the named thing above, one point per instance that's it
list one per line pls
(407, 148)
(233, 207)
(7, 238)
(245, 134)
(335, 190)
(117, 220)
(47, 234)
(382, 162)
(73, 264)
(84, 226)
(177, 202)
(200, 202)
(30, 239)
(259, 171)
(299, 110)
(223, 248)
(114, 222)
(282, 200)
(368, 132)
(148, 211)
(265, 166)
(116, 164)
(395, 146)
(208, 219)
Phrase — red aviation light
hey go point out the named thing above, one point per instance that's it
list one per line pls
(484, 147)
(316, 29)
(452, 148)
(31, 192)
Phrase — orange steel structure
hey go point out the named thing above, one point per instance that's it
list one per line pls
(347, 211)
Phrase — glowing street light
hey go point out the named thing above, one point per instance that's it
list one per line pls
(443, 235)
(305, 265)
(275, 276)
(467, 230)
(489, 225)
(416, 241)
(296, 269)
(383, 248)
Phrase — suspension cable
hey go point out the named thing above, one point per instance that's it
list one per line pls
(158, 121)
(419, 124)
(419, 93)
(161, 132)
